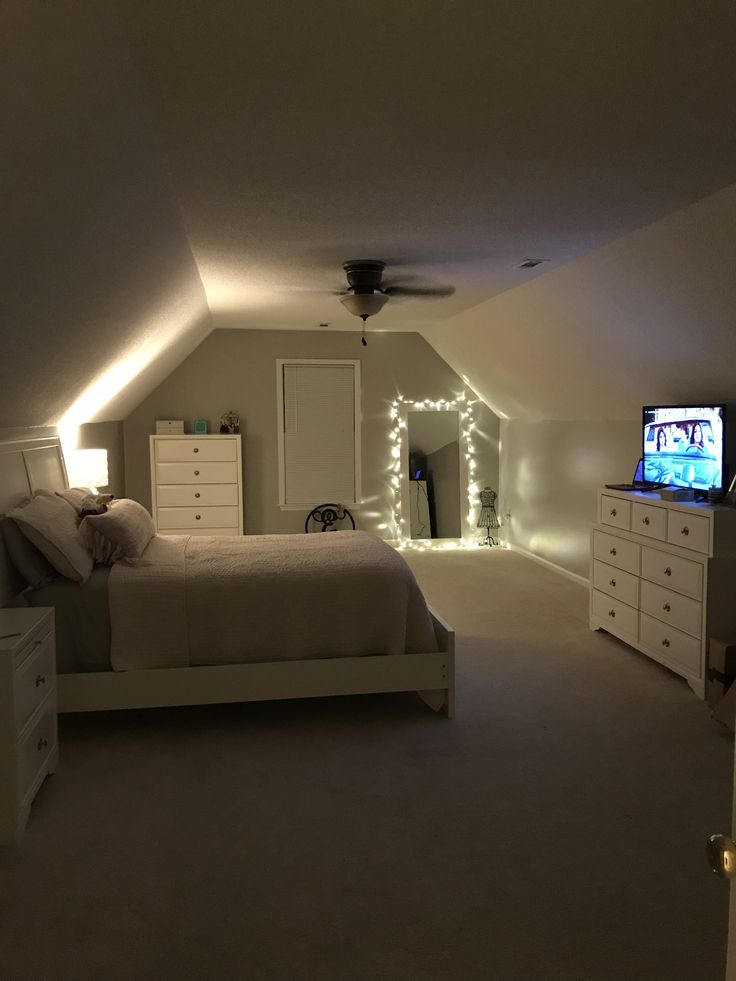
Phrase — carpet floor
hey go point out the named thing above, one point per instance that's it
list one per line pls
(553, 831)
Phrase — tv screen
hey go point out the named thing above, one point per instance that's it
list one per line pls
(683, 445)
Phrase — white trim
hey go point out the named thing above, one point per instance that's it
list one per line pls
(580, 580)
(355, 364)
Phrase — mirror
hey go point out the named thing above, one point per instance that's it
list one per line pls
(433, 474)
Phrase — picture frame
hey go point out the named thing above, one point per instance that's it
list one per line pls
(201, 427)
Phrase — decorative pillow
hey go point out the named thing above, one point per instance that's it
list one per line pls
(76, 496)
(34, 568)
(120, 534)
(50, 524)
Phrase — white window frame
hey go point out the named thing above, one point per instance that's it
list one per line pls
(342, 362)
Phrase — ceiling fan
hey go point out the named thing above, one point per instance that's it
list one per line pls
(367, 292)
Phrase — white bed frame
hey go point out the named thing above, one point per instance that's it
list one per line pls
(30, 462)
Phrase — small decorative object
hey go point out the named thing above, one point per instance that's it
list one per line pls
(200, 427)
(730, 498)
(488, 518)
(230, 423)
(328, 515)
(169, 427)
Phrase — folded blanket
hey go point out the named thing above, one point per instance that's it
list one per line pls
(198, 600)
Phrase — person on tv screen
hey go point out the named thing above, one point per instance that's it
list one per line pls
(696, 437)
(661, 440)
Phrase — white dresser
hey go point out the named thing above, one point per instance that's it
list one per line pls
(197, 485)
(28, 740)
(663, 578)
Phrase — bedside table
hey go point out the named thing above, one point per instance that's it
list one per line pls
(28, 743)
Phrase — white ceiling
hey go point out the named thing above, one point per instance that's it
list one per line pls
(459, 137)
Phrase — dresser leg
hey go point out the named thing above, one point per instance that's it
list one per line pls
(698, 687)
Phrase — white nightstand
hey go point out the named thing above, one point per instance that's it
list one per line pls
(29, 747)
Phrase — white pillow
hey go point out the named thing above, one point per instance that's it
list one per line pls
(121, 533)
(50, 524)
(76, 496)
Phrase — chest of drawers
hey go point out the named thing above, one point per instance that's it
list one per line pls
(28, 735)
(662, 578)
(197, 485)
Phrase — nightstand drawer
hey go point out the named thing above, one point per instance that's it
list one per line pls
(197, 518)
(196, 473)
(620, 618)
(196, 449)
(649, 520)
(616, 551)
(616, 512)
(689, 531)
(672, 572)
(196, 495)
(35, 749)
(670, 644)
(616, 583)
(34, 679)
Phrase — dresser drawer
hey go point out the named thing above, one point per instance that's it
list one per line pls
(616, 583)
(35, 749)
(689, 531)
(670, 644)
(616, 512)
(196, 495)
(616, 551)
(196, 473)
(196, 450)
(197, 517)
(672, 572)
(33, 680)
(649, 520)
(664, 604)
(620, 618)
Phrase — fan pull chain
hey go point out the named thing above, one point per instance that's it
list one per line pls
(363, 341)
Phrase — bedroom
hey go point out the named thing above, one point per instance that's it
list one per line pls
(184, 187)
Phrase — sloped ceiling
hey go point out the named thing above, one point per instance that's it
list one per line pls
(172, 167)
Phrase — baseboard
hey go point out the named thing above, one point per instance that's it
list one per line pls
(580, 580)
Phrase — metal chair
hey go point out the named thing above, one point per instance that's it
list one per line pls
(329, 516)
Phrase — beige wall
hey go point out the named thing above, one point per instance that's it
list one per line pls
(235, 369)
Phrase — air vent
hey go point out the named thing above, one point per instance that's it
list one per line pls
(531, 263)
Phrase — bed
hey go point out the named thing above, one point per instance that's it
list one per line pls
(206, 620)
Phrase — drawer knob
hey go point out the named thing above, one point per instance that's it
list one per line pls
(40, 679)
(41, 744)
(668, 571)
(196, 449)
(645, 521)
(197, 494)
(198, 517)
(611, 582)
(666, 607)
(612, 613)
(612, 551)
(613, 512)
(665, 643)
(196, 473)
(685, 530)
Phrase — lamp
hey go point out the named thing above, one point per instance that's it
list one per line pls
(364, 305)
(88, 468)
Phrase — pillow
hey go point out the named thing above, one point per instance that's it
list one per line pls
(32, 566)
(121, 533)
(50, 524)
(76, 496)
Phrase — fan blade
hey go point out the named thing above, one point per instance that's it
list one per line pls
(429, 292)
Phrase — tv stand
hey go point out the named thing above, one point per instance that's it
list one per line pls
(661, 577)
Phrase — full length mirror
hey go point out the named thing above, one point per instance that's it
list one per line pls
(433, 475)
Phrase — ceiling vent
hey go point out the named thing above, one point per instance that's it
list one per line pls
(531, 263)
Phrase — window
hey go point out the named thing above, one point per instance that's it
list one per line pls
(319, 432)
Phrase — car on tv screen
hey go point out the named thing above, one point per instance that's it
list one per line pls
(684, 452)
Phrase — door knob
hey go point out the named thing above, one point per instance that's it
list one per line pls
(721, 853)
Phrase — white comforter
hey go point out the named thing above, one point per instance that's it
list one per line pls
(194, 601)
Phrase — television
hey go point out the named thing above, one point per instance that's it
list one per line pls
(683, 445)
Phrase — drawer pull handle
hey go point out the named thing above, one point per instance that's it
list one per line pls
(665, 643)
(668, 571)
(612, 551)
(198, 517)
(41, 744)
(613, 512)
(685, 530)
(196, 473)
(645, 521)
(40, 679)
(666, 607)
(611, 582)
(196, 449)
(612, 613)
(197, 494)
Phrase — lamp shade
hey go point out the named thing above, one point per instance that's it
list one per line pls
(364, 304)
(88, 468)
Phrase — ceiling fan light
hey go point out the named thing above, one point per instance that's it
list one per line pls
(364, 304)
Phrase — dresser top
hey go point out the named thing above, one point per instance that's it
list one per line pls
(16, 622)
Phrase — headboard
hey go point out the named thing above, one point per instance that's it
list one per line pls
(27, 463)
